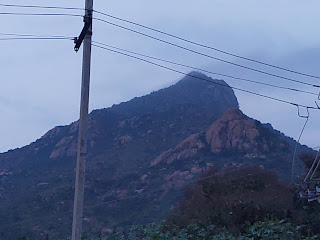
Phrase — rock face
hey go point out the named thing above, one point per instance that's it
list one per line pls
(233, 130)
(188, 148)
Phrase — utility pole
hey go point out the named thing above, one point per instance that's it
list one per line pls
(84, 37)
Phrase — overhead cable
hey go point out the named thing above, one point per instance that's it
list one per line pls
(40, 7)
(167, 34)
(203, 79)
(203, 70)
(205, 55)
(306, 117)
(40, 14)
(205, 46)
(35, 38)
(164, 41)
(15, 36)
(33, 35)
(313, 169)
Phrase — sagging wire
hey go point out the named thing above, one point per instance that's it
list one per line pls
(318, 100)
(202, 54)
(316, 162)
(315, 170)
(201, 45)
(309, 188)
(203, 70)
(312, 167)
(297, 142)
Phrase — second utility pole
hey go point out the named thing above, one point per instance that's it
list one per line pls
(85, 36)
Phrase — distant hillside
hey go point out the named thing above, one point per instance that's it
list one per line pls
(130, 150)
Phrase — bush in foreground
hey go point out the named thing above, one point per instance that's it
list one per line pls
(259, 230)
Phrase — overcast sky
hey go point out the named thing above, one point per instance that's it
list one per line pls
(40, 80)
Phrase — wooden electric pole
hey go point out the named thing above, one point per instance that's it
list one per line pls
(84, 37)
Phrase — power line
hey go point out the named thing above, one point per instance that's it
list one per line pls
(33, 35)
(312, 170)
(210, 72)
(164, 41)
(203, 79)
(297, 142)
(205, 46)
(35, 38)
(40, 7)
(16, 36)
(203, 54)
(164, 33)
(40, 14)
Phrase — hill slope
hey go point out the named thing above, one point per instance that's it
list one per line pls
(125, 144)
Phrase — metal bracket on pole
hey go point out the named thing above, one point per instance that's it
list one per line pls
(87, 23)
(303, 116)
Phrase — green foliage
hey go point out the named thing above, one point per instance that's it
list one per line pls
(22, 238)
(156, 231)
(259, 230)
(275, 230)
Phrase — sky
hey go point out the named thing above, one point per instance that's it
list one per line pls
(40, 80)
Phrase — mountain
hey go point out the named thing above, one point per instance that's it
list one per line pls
(140, 154)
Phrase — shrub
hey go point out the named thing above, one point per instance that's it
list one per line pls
(233, 197)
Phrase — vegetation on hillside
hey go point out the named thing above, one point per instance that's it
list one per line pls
(233, 203)
(236, 203)
(125, 188)
(259, 230)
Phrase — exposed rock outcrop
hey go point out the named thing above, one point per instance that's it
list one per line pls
(65, 147)
(188, 148)
(233, 131)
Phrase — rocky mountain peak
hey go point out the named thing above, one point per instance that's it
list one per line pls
(194, 89)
